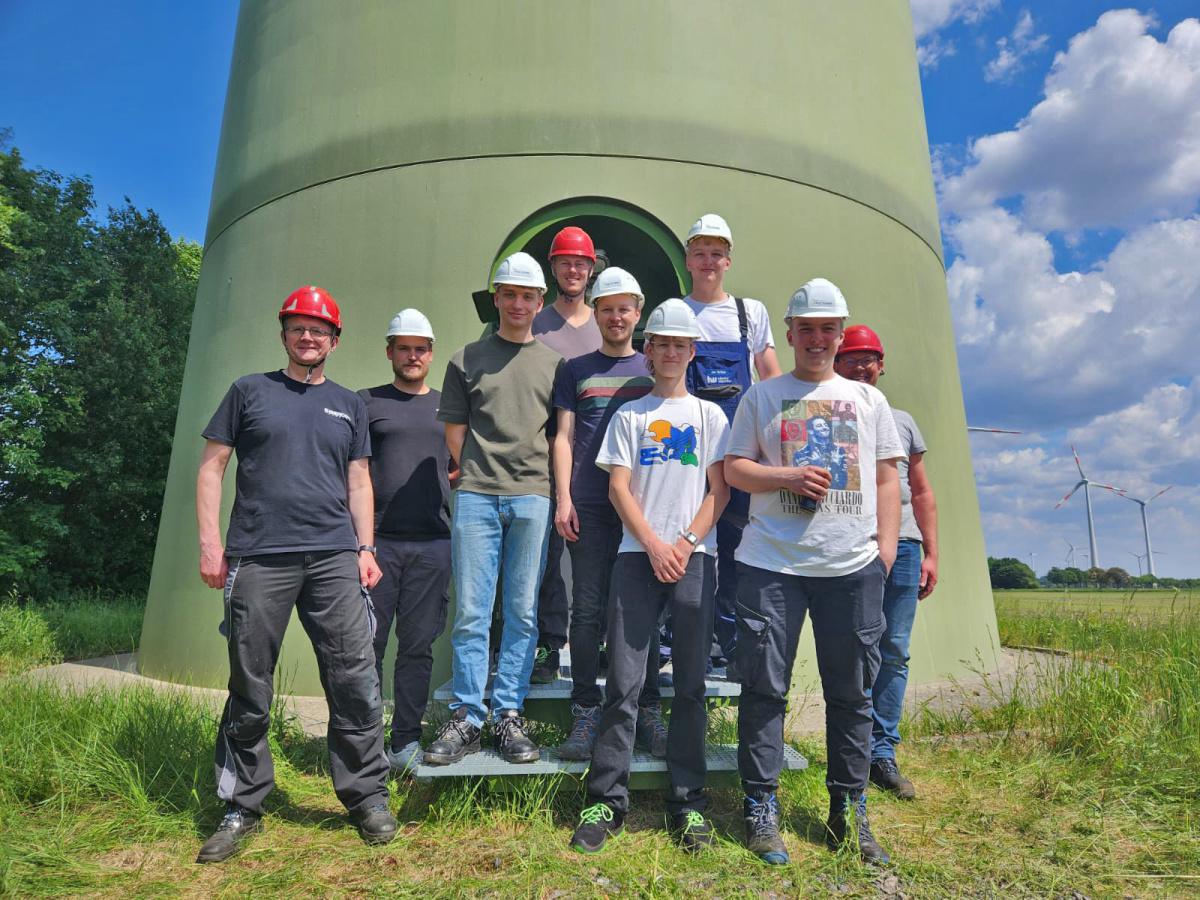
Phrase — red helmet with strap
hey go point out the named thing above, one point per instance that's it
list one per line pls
(573, 241)
(858, 338)
(314, 302)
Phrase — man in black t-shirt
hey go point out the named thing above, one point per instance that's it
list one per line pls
(410, 474)
(300, 536)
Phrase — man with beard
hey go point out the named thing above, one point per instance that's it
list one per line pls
(410, 473)
(568, 327)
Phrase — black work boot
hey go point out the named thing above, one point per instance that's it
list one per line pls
(376, 824)
(511, 740)
(545, 666)
(457, 738)
(885, 774)
(650, 732)
(582, 738)
(237, 825)
(848, 822)
(761, 812)
(597, 823)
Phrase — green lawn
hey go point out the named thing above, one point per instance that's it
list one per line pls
(1082, 782)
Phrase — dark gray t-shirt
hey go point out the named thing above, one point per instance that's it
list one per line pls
(409, 464)
(502, 392)
(552, 329)
(294, 443)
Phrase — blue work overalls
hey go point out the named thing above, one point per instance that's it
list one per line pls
(720, 373)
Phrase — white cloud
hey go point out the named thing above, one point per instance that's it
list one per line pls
(1114, 143)
(931, 16)
(1013, 49)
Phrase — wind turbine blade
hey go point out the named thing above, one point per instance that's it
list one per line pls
(1068, 497)
(1120, 492)
(1078, 465)
(1160, 493)
(992, 430)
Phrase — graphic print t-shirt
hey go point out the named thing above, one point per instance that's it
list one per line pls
(594, 387)
(843, 426)
(293, 442)
(668, 445)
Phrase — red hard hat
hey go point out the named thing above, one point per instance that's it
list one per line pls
(315, 302)
(573, 241)
(860, 337)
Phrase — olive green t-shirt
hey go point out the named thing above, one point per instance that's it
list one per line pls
(503, 393)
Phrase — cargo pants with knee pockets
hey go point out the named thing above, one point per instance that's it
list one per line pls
(847, 617)
(335, 611)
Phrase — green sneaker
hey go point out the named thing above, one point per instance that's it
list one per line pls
(597, 823)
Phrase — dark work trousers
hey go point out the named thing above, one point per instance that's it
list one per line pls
(336, 614)
(552, 603)
(633, 608)
(729, 536)
(592, 559)
(413, 592)
(847, 617)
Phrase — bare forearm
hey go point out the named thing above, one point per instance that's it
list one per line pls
(887, 508)
(631, 514)
(563, 455)
(456, 436)
(925, 512)
(766, 364)
(713, 504)
(750, 476)
(361, 498)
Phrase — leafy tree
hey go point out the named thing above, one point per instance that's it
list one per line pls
(1008, 572)
(1116, 577)
(1096, 575)
(93, 335)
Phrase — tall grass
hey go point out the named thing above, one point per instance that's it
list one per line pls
(80, 625)
(26, 640)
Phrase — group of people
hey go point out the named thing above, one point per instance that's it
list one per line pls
(685, 489)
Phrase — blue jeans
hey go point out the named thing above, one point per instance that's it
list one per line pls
(899, 609)
(489, 535)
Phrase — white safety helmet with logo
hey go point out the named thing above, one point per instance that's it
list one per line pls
(710, 225)
(615, 280)
(673, 318)
(817, 299)
(520, 270)
(410, 322)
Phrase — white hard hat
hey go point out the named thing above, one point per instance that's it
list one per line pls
(615, 280)
(673, 318)
(520, 270)
(817, 299)
(411, 322)
(710, 225)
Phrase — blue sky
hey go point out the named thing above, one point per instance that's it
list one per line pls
(1066, 148)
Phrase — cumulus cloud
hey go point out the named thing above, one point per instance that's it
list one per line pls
(931, 16)
(1012, 51)
(1114, 143)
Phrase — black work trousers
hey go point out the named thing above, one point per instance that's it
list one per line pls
(335, 612)
(847, 617)
(634, 605)
(553, 614)
(593, 557)
(414, 594)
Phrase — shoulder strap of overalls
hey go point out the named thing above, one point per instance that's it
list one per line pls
(743, 321)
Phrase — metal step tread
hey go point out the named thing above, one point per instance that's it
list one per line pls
(715, 685)
(489, 763)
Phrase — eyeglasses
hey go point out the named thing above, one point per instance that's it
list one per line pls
(298, 331)
(860, 361)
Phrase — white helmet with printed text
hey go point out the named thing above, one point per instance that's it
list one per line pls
(411, 322)
(817, 299)
(615, 280)
(520, 270)
(673, 318)
(710, 225)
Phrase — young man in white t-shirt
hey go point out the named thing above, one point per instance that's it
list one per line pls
(818, 455)
(664, 456)
(735, 338)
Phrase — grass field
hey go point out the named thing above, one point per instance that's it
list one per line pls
(1082, 782)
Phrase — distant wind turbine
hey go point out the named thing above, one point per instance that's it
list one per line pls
(1070, 557)
(1086, 483)
(1145, 522)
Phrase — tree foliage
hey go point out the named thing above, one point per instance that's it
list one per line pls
(94, 322)
(1008, 572)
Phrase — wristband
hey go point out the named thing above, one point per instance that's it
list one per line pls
(369, 548)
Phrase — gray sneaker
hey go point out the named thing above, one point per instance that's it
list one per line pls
(582, 739)
(405, 760)
(650, 733)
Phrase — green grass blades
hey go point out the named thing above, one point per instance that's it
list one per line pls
(81, 625)
(26, 639)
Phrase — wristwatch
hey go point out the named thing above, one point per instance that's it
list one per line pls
(690, 537)
(369, 548)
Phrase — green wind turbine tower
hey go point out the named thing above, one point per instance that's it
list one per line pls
(393, 151)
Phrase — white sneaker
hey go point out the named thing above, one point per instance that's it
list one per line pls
(406, 759)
